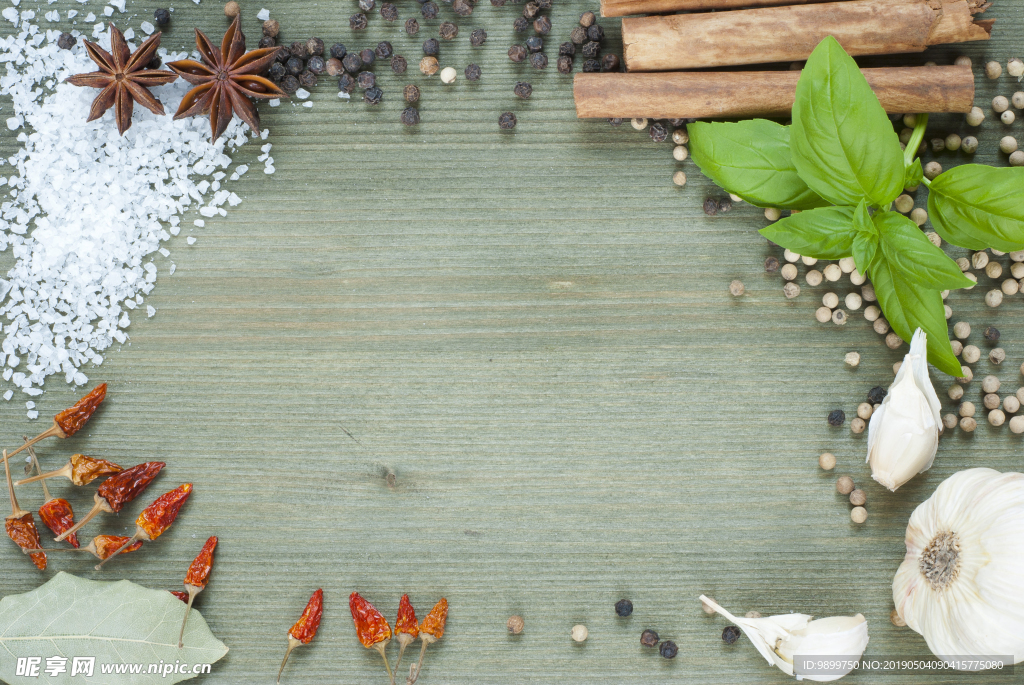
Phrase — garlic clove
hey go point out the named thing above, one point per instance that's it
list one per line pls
(903, 435)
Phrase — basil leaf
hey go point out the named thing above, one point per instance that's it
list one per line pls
(865, 240)
(913, 174)
(977, 206)
(908, 306)
(823, 233)
(752, 159)
(843, 144)
(907, 249)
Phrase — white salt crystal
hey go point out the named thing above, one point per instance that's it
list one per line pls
(8, 395)
(108, 10)
(119, 4)
(14, 123)
(32, 414)
(234, 200)
(81, 379)
(343, 95)
(90, 17)
(302, 93)
(11, 15)
(30, 405)
(150, 311)
(269, 170)
(52, 16)
(72, 14)
(147, 28)
(208, 211)
(130, 304)
(165, 252)
(129, 33)
(275, 102)
(264, 133)
(173, 267)
(263, 14)
(15, 2)
(307, 104)
(199, 222)
(190, 240)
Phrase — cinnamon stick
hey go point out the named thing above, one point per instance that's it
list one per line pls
(622, 8)
(742, 94)
(785, 34)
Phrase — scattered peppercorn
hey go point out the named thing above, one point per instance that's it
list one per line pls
(232, 9)
(368, 57)
(542, 25)
(658, 132)
(411, 93)
(447, 30)
(429, 10)
(615, 121)
(271, 27)
(307, 79)
(294, 66)
(844, 485)
(358, 22)
(531, 10)
(858, 497)
(591, 66)
(591, 49)
(282, 55)
(610, 62)
(520, 24)
(347, 83)
(67, 41)
(298, 49)
(267, 42)
(383, 50)
(315, 46)
(162, 16)
(534, 43)
(428, 65)
(410, 116)
(877, 394)
(649, 638)
(771, 265)
(473, 72)
(578, 35)
(477, 38)
(289, 84)
(507, 121)
(539, 60)
(316, 64)
(517, 53)
(431, 47)
(399, 64)
(545, 4)
(991, 334)
(836, 417)
(412, 27)
(463, 8)
(352, 63)
(564, 65)
(595, 32)
(367, 5)
(587, 19)
(567, 48)
(366, 79)
(373, 96)
(276, 72)
(724, 205)
(515, 624)
(668, 649)
(827, 461)
(730, 634)
(388, 11)
(710, 206)
(623, 608)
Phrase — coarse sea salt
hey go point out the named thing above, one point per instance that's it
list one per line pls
(86, 208)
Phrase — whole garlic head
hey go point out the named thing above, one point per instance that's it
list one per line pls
(785, 639)
(961, 584)
(903, 435)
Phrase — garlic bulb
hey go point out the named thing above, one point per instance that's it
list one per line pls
(904, 431)
(961, 584)
(784, 640)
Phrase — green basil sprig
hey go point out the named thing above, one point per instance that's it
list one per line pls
(841, 163)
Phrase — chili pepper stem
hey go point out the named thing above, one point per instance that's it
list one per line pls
(194, 590)
(380, 648)
(53, 431)
(16, 511)
(39, 470)
(404, 640)
(139, 535)
(292, 644)
(99, 505)
(427, 639)
(65, 471)
(56, 549)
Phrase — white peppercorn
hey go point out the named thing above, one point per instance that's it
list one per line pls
(864, 410)
(515, 624)
(979, 260)
(858, 497)
(679, 178)
(968, 424)
(858, 514)
(680, 136)
(932, 169)
(993, 269)
(1009, 287)
(880, 326)
(991, 401)
(919, 216)
(1007, 144)
(967, 409)
(788, 272)
(579, 633)
(1017, 158)
(858, 425)
(830, 300)
(448, 75)
(852, 359)
(1011, 404)
(947, 311)
(772, 214)
(934, 238)
(790, 256)
(993, 69)
(813, 278)
(969, 145)
(967, 377)
(679, 153)
(823, 314)
(735, 198)
(955, 392)
(962, 329)
(1015, 67)
(1016, 268)
(847, 265)
(905, 135)
(971, 352)
(962, 61)
(1017, 425)
(791, 290)
(970, 277)
(844, 485)
(1018, 99)
(1007, 118)
(949, 421)
(827, 461)
(736, 288)
(952, 142)
(853, 301)
(857, 278)
(638, 124)
(872, 312)
(975, 116)
(990, 384)
(808, 261)
(996, 417)
(832, 272)
(994, 298)
(893, 341)
(839, 317)
(896, 368)
(868, 293)
(957, 346)
(964, 263)
(1000, 104)
(904, 203)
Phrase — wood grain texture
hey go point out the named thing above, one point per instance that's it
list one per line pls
(622, 8)
(534, 332)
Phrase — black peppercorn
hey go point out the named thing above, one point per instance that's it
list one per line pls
(659, 134)
(498, 3)
(373, 96)
(836, 417)
(388, 11)
(368, 56)
(67, 41)
(542, 25)
(523, 90)
(530, 10)
(463, 8)
(564, 64)
(308, 79)
(366, 79)
(507, 121)
(591, 66)
(367, 5)
(412, 27)
(567, 48)
(991, 334)
(591, 49)
(358, 22)
(595, 32)
(298, 49)
(477, 38)
(294, 66)
(276, 72)
(346, 83)
(431, 47)
(615, 121)
(545, 4)
(668, 649)
(534, 43)
(289, 84)
(352, 63)
(724, 205)
(587, 19)
(282, 55)
(623, 607)
(410, 116)
(384, 50)
(730, 634)
(429, 10)
(649, 638)
(610, 62)
(162, 16)
(771, 265)
(398, 64)
(578, 35)
(411, 93)
(315, 46)
(316, 64)
(710, 206)
(877, 394)
(447, 30)
(676, 123)
(520, 24)
(267, 42)
(156, 62)
(517, 53)
(472, 72)
(539, 60)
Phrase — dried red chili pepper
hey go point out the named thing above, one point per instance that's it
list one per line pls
(105, 546)
(371, 628)
(56, 512)
(158, 516)
(80, 470)
(406, 627)
(431, 630)
(20, 525)
(196, 577)
(118, 490)
(304, 630)
(183, 596)
(71, 420)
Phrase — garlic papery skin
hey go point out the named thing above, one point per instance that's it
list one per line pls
(786, 638)
(961, 584)
(904, 431)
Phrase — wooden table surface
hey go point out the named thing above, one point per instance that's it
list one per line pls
(533, 333)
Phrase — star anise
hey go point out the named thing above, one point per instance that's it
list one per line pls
(226, 80)
(124, 78)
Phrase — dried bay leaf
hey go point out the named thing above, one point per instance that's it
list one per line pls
(116, 622)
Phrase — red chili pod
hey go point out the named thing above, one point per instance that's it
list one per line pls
(304, 630)
(431, 630)
(372, 628)
(158, 516)
(20, 525)
(406, 627)
(196, 578)
(71, 420)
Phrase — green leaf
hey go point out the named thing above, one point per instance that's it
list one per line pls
(977, 207)
(865, 239)
(824, 233)
(115, 622)
(908, 306)
(752, 159)
(843, 144)
(913, 174)
(919, 261)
